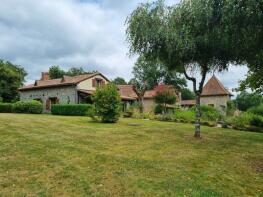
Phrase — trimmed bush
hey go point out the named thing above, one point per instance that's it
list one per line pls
(209, 113)
(107, 103)
(72, 109)
(28, 107)
(184, 115)
(258, 110)
(158, 109)
(6, 107)
(247, 121)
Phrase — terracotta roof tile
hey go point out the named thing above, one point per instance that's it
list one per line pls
(214, 87)
(64, 81)
(188, 102)
(127, 92)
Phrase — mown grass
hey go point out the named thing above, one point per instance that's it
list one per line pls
(44, 155)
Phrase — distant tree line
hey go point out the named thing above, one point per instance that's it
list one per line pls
(56, 72)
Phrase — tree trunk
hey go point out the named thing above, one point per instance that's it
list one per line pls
(197, 117)
(141, 104)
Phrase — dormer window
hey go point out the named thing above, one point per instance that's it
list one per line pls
(97, 82)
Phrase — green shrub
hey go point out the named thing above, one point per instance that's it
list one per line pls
(72, 109)
(139, 115)
(28, 107)
(258, 110)
(107, 103)
(164, 117)
(158, 109)
(6, 107)
(246, 120)
(209, 113)
(184, 115)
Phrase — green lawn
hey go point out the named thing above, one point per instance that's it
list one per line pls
(44, 155)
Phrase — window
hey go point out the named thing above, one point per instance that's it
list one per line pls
(97, 82)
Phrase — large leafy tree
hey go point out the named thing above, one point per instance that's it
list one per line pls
(187, 94)
(56, 72)
(11, 78)
(246, 100)
(192, 37)
(148, 74)
(119, 81)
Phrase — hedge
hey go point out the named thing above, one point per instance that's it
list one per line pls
(72, 109)
(6, 107)
(28, 107)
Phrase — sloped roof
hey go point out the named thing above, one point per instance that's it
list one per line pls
(158, 88)
(127, 92)
(214, 88)
(188, 102)
(64, 81)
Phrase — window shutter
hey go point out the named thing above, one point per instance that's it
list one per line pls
(48, 104)
(93, 82)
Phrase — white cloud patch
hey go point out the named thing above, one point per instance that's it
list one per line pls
(88, 33)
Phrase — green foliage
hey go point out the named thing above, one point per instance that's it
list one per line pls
(245, 100)
(247, 121)
(158, 109)
(28, 107)
(184, 115)
(187, 94)
(1, 99)
(165, 97)
(11, 78)
(258, 110)
(72, 109)
(150, 74)
(231, 108)
(107, 103)
(6, 107)
(210, 113)
(56, 72)
(119, 81)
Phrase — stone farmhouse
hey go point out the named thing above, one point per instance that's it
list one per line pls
(214, 94)
(79, 89)
(71, 90)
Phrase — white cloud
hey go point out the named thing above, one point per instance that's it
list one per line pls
(88, 33)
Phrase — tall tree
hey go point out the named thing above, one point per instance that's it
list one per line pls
(74, 71)
(192, 37)
(11, 78)
(187, 94)
(119, 81)
(246, 100)
(152, 74)
(56, 72)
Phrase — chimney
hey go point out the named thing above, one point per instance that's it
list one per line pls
(45, 76)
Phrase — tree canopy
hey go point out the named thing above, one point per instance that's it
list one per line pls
(165, 97)
(119, 81)
(246, 100)
(56, 72)
(11, 78)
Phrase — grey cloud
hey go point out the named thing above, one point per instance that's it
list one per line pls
(89, 33)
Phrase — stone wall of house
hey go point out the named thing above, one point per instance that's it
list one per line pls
(219, 102)
(66, 94)
(148, 104)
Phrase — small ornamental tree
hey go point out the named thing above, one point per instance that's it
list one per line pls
(165, 97)
(107, 103)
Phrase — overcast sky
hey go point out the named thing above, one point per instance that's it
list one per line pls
(37, 34)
